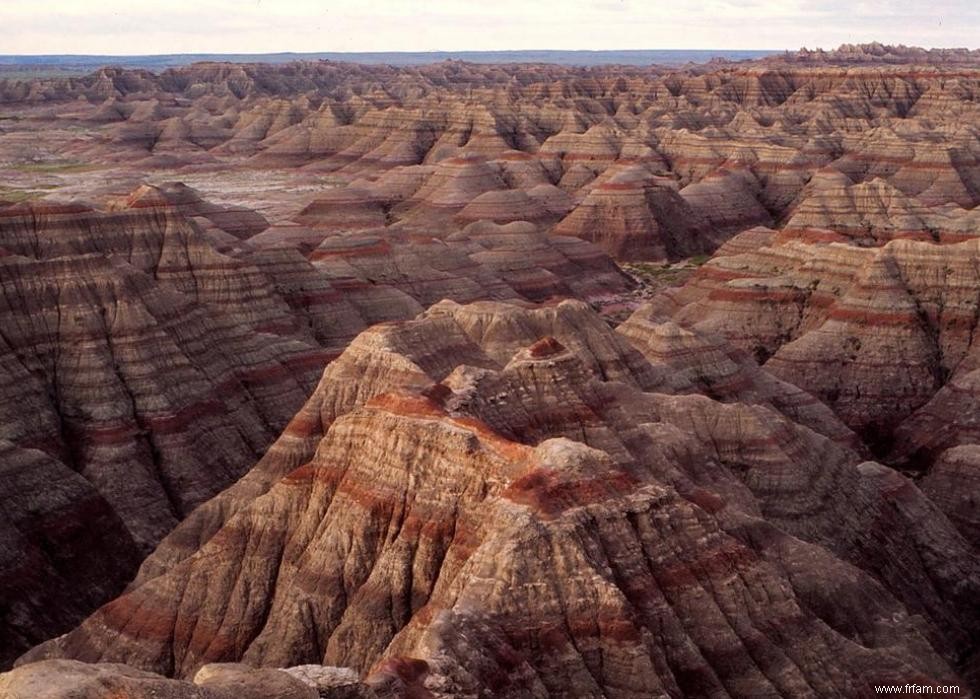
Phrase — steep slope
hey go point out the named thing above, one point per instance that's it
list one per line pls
(64, 549)
(146, 392)
(522, 515)
(635, 218)
(493, 498)
(874, 333)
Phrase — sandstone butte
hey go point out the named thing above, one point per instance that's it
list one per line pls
(322, 379)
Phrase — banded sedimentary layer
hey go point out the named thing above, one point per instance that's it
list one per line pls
(518, 506)
(650, 162)
(762, 483)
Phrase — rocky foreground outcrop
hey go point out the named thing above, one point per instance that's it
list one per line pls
(59, 679)
(152, 370)
(519, 498)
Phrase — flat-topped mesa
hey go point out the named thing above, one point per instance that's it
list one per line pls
(500, 493)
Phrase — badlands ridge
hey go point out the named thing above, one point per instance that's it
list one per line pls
(331, 380)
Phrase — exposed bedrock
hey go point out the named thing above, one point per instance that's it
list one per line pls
(512, 501)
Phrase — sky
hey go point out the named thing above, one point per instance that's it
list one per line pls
(128, 27)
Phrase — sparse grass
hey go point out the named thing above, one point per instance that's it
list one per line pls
(666, 269)
(658, 275)
(15, 196)
(652, 269)
(647, 267)
(53, 167)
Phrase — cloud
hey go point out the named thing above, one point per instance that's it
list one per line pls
(256, 26)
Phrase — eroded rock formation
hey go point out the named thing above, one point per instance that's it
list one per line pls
(517, 505)
(763, 482)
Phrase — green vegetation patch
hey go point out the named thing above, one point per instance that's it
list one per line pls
(658, 275)
(15, 196)
(652, 270)
(53, 167)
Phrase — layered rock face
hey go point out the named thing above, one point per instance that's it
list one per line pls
(148, 355)
(886, 337)
(64, 549)
(178, 198)
(194, 411)
(484, 260)
(156, 241)
(339, 418)
(649, 162)
(636, 218)
(844, 306)
(507, 498)
(134, 359)
(158, 369)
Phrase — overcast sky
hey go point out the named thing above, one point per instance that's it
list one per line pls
(266, 26)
